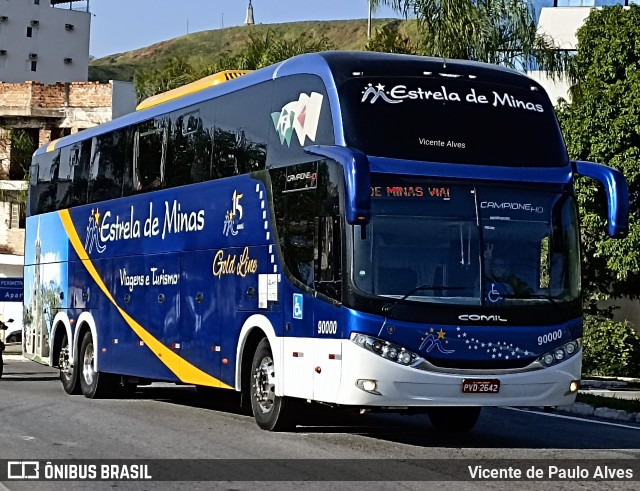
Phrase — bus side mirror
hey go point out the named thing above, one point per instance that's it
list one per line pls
(615, 185)
(357, 179)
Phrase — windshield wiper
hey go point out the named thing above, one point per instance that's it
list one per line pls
(526, 296)
(387, 308)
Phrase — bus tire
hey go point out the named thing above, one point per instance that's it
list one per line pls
(271, 412)
(68, 371)
(454, 419)
(94, 384)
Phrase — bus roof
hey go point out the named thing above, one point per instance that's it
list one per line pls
(332, 67)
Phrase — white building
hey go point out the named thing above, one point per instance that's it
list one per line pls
(561, 22)
(44, 40)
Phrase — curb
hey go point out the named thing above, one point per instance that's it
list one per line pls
(13, 357)
(584, 409)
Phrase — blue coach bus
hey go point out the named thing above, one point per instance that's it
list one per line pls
(364, 230)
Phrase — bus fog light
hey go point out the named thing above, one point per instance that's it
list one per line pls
(574, 386)
(368, 385)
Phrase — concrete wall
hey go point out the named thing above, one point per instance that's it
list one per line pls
(51, 41)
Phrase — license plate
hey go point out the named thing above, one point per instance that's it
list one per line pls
(480, 386)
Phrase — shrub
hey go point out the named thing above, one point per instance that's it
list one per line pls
(611, 348)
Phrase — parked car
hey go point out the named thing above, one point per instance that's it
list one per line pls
(13, 334)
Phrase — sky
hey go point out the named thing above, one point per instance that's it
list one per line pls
(124, 25)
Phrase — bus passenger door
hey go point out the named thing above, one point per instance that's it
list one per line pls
(328, 326)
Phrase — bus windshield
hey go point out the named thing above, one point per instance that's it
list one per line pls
(469, 245)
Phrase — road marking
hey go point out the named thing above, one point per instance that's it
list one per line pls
(3, 487)
(607, 423)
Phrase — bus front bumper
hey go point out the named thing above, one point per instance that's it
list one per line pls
(369, 380)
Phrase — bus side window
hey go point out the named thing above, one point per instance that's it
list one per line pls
(299, 236)
(33, 193)
(47, 182)
(107, 166)
(188, 150)
(239, 143)
(149, 150)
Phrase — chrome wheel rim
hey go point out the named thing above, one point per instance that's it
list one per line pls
(88, 372)
(264, 384)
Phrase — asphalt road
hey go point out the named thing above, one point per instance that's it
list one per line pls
(38, 421)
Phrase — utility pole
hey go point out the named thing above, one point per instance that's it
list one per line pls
(369, 23)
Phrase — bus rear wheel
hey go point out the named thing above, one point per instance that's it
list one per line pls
(271, 412)
(68, 373)
(454, 419)
(94, 384)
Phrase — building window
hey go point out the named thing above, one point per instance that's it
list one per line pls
(36, 2)
(29, 31)
(33, 65)
(15, 216)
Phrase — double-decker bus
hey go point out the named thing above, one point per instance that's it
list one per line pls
(364, 230)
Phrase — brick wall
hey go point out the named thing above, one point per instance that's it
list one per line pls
(55, 96)
(90, 94)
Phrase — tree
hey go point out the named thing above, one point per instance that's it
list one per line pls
(176, 72)
(503, 32)
(388, 39)
(261, 50)
(602, 124)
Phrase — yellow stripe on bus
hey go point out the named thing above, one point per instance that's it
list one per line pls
(191, 88)
(51, 146)
(185, 371)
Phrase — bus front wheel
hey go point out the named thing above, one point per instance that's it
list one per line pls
(68, 373)
(271, 412)
(454, 419)
(94, 384)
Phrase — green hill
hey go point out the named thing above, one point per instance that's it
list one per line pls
(206, 47)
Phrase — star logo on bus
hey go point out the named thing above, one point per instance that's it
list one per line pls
(376, 93)
(300, 117)
(432, 339)
(93, 233)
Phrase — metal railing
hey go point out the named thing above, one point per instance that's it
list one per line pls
(77, 5)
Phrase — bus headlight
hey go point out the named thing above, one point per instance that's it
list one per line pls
(387, 350)
(556, 355)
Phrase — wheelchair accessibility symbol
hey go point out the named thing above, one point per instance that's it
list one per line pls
(496, 292)
(297, 306)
